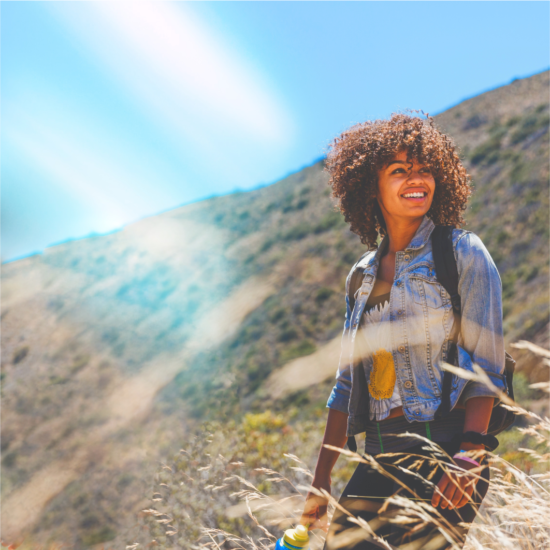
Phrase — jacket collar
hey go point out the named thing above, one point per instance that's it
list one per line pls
(422, 234)
(421, 237)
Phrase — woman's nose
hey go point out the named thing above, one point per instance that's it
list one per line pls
(415, 175)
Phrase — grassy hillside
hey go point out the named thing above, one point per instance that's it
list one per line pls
(115, 347)
(505, 146)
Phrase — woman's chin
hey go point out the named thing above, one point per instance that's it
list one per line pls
(412, 213)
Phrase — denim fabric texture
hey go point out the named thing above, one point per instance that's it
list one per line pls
(421, 320)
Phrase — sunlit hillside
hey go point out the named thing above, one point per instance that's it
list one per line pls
(115, 347)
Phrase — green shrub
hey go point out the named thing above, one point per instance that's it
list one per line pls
(529, 126)
(305, 347)
(80, 361)
(331, 220)
(102, 534)
(55, 380)
(297, 232)
(9, 460)
(125, 479)
(520, 172)
(267, 244)
(487, 152)
(532, 273)
(473, 122)
(523, 393)
(502, 237)
(249, 334)
(323, 294)
(20, 354)
(290, 205)
(277, 315)
(288, 334)
(508, 282)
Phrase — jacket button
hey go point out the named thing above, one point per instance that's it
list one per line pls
(406, 258)
(408, 384)
(401, 349)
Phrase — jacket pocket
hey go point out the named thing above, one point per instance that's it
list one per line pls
(428, 292)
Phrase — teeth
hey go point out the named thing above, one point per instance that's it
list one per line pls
(409, 195)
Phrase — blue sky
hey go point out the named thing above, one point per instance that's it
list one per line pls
(112, 111)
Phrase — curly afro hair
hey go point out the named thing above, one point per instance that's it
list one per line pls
(356, 157)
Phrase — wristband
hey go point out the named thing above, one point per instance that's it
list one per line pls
(490, 442)
(466, 458)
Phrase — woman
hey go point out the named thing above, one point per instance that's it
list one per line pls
(398, 179)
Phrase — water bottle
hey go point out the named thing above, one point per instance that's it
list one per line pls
(294, 539)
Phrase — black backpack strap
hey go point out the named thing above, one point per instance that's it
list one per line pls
(446, 269)
(355, 282)
(446, 272)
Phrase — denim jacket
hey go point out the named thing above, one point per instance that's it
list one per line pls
(421, 321)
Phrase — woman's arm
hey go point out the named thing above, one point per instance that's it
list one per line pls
(481, 333)
(478, 414)
(315, 510)
(340, 394)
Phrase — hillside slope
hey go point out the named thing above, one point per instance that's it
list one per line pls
(504, 138)
(114, 346)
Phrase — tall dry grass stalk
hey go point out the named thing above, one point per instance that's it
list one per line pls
(248, 515)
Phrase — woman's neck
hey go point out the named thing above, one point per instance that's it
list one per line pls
(400, 233)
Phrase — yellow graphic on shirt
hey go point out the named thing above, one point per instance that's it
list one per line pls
(382, 377)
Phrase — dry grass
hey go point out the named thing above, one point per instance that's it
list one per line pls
(209, 501)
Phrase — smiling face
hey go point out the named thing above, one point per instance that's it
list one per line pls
(405, 189)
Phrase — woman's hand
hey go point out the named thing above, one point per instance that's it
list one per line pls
(315, 509)
(458, 487)
(455, 489)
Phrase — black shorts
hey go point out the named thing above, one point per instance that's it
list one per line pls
(366, 493)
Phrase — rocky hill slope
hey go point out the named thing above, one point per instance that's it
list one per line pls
(113, 347)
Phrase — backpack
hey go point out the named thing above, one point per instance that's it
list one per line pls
(447, 275)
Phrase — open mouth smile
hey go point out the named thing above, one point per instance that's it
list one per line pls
(415, 195)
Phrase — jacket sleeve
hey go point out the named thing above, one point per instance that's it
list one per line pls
(481, 335)
(340, 394)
